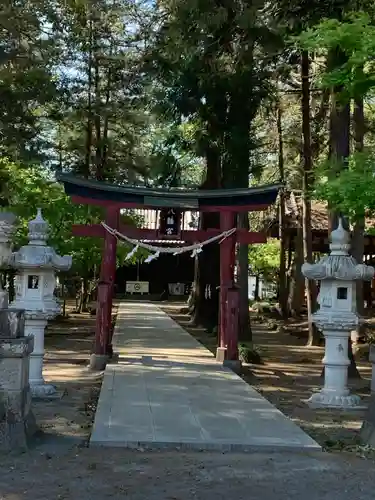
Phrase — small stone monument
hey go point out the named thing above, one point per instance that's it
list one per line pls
(16, 418)
(337, 317)
(17, 421)
(35, 284)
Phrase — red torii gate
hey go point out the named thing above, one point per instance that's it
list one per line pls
(113, 198)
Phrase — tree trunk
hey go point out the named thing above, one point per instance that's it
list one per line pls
(235, 174)
(358, 243)
(104, 148)
(297, 281)
(85, 295)
(97, 119)
(339, 153)
(317, 137)
(339, 144)
(204, 303)
(291, 239)
(60, 148)
(256, 288)
(307, 185)
(63, 295)
(89, 125)
(80, 298)
(283, 290)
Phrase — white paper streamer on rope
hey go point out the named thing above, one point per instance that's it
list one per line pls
(132, 252)
(196, 251)
(196, 248)
(152, 257)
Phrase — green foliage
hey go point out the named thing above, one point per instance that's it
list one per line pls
(211, 64)
(172, 161)
(28, 53)
(33, 187)
(354, 36)
(264, 259)
(102, 123)
(351, 190)
(248, 354)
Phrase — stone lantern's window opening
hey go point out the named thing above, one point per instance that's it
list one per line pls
(342, 293)
(33, 282)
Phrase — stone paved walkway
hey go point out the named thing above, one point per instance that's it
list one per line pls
(167, 390)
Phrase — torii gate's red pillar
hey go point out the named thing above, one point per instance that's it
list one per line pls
(103, 347)
(228, 325)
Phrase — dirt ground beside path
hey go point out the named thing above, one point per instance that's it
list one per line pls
(68, 344)
(289, 374)
(115, 474)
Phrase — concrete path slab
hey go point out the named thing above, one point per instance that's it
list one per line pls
(167, 390)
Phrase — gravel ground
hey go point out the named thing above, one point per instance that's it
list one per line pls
(59, 472)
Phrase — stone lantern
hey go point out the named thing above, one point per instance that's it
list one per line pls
(337, 317)
(35, 285)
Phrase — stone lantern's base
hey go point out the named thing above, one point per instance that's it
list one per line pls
(343, 402)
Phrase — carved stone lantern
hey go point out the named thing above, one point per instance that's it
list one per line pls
(35, 285)
(337, 317)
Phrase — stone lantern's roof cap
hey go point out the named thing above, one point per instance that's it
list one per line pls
(37, 254)
(7, 226)
(339, 265)
(8, 218)
(38, 229)
(340, 240)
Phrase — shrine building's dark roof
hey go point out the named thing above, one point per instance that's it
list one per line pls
(101, 193)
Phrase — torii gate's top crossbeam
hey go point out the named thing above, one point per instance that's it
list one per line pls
(218, 200)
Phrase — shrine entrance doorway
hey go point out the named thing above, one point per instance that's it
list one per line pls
(172, 204)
